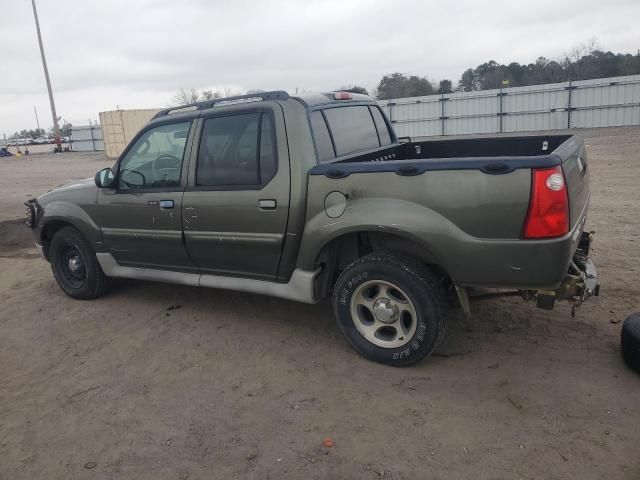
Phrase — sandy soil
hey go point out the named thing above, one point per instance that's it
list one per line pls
(167, 382)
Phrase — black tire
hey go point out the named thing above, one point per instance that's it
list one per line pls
(414, 280)
(75, 265)
(630, 341)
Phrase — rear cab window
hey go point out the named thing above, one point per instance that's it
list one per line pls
(340, 131)
(381, 126)
(324, 144)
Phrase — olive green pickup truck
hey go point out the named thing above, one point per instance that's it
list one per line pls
(312, 196)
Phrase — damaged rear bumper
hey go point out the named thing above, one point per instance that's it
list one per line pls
(579, 284)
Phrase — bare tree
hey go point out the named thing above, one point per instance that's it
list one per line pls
(225, 92)
(583, 49)
(207, 95)
(571, 60)
(191, 95)
(185, 97)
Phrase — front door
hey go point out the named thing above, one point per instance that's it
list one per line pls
(141, 219)
(236, 205)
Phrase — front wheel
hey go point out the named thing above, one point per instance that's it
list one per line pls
(75, 265)
(391, 309)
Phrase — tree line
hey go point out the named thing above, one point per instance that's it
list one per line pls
(583, 62)
(65, 131)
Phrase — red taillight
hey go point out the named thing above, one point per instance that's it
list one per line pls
(342, 95)
(548, 214)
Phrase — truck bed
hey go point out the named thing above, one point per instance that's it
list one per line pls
(472, 197)
(489, 155)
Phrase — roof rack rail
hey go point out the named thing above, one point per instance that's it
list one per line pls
(259, 96)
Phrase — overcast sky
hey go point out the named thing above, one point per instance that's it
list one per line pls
(138, 53)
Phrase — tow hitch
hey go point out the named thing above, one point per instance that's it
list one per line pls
(580, 282)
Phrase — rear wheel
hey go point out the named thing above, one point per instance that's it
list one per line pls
(75, 265)
(391, 309)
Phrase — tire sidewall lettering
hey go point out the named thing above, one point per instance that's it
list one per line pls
(347, 291)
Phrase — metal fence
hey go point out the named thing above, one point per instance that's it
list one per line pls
(87, 138)
(602, 102)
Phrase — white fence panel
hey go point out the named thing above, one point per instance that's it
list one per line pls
(87, 138)
(601, 102)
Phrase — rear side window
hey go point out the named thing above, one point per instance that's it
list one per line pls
(381, 126)
(237, 150)
(322, 137)
(352, 128)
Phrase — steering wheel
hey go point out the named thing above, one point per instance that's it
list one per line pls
(164, 165)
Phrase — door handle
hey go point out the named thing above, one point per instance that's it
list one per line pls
(166, 204)
(269, 204)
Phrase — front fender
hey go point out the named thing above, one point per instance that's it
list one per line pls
(67, 212)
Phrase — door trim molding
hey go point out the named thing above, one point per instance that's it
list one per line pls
(142, 233)
(299, 288)
(234, 238)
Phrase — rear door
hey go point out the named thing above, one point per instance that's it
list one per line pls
(236, 205)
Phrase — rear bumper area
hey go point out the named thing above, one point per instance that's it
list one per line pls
(581, 281)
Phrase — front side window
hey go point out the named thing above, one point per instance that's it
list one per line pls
(237, 150)
(155, 160)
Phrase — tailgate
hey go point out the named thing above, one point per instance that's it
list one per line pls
(575, 168)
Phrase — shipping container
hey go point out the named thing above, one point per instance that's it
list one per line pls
(120, 126)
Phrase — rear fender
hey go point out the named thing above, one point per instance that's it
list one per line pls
(399, 218)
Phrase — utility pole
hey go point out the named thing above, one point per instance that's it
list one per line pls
(93, 141)
(37, 121)
(56, 129)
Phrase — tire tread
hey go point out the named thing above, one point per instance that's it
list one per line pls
(630, 341)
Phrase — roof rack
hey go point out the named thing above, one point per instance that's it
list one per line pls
(259, 96)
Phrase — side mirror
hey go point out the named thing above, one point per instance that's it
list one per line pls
(105, 178)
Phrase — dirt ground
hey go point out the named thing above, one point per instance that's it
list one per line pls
(158, 381)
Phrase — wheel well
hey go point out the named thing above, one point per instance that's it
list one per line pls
(48, 231)
(342, 251)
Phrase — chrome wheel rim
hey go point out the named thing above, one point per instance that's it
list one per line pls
(384, 314)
